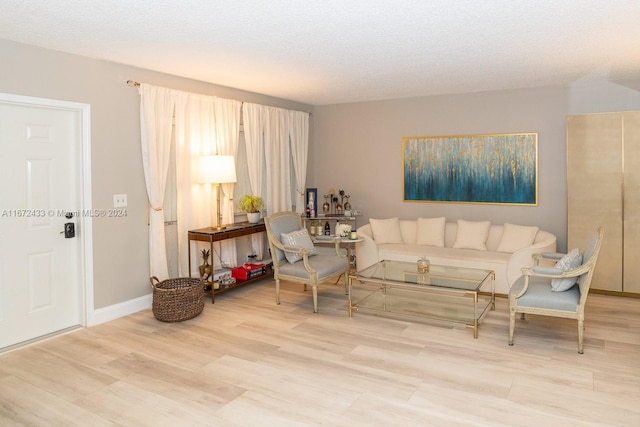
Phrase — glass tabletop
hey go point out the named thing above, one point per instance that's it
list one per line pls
(402, 272)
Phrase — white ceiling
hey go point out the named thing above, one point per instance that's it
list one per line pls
(335, 51)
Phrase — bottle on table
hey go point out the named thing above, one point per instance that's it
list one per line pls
(312, 205)
(327, 229)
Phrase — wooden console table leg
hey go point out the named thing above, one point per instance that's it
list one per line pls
(189, 256)
(213, 274)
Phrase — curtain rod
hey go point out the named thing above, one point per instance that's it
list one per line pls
(134, 83)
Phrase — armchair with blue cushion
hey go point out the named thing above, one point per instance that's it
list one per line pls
(558, 291)
(296, 259)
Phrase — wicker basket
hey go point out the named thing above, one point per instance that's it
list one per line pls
(175, 300)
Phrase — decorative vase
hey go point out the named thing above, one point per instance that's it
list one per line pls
(253, 217)
(325, 205)
(205, 268)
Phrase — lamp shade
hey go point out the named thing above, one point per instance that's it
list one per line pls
(217, 169)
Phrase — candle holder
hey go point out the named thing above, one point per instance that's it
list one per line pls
(423, 265)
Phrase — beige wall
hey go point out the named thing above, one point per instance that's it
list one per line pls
(121, 255)
(355, 147)
(358, 147)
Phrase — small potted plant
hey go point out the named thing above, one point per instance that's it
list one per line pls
(251, 205)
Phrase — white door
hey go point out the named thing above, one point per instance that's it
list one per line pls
(41, 274)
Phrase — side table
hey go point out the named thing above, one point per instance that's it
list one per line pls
(211, 234)
(347, 242)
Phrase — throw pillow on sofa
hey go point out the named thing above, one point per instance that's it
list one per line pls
(430, 231)
(568, 262)
(386, 230)
(297, 238)
(516, 237)
(472, 235)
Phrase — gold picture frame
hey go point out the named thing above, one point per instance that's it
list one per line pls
(486, 169)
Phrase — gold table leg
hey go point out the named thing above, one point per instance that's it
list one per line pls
(351, 307)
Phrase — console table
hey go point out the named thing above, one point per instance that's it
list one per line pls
(211, 234)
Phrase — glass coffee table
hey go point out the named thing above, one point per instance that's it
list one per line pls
(455, 294)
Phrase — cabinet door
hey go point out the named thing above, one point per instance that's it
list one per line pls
(594, 191)
(631, 134)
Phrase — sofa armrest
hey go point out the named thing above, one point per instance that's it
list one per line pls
(524, 258)
(367, 249)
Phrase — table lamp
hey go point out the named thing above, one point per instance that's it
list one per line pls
(217, 170)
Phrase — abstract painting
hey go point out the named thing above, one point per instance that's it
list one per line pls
(493, 169)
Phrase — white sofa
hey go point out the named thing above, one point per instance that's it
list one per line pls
(504, 248)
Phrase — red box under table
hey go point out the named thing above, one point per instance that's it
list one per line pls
(248, 271)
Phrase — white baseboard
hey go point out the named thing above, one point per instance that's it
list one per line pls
(115, 311)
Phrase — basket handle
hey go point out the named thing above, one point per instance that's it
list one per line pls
(152, 279)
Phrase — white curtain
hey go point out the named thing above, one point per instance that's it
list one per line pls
(253, 122)
(156, 113)
(278, 158)
(209, 125)
(227, 128)
(299, 137)
(195, 137)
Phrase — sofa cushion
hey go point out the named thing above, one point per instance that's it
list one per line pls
(516, 237)
(404, 252)
(431, 231)
(299, 238)
(568, 262)
(386, 230)
(472, 235)
(409, 231)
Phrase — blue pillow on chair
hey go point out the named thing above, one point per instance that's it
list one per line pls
(568, 262)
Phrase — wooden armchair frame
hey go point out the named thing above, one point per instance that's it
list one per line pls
(311, 269)
(532, 294)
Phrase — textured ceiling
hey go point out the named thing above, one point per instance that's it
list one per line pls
(335, 51)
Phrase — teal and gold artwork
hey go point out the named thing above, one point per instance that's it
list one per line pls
(500, 169)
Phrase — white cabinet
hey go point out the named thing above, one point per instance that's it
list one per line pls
(603, 188)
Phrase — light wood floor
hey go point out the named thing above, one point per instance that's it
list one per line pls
(247, 362)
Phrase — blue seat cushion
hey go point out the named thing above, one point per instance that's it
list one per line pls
(326, 263)
(540, 295)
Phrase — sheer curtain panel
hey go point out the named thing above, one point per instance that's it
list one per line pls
(253, 116)
(156, 115)
(194, 137)
(299, 137)
(278, 158)
(227, 129)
